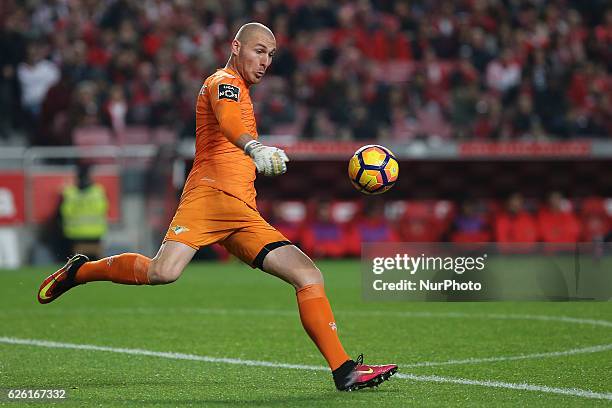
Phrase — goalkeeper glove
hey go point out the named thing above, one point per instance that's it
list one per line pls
(270, 161)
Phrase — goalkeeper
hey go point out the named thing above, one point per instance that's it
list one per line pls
(218, 206)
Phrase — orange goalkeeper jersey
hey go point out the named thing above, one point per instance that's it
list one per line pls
(224, 112)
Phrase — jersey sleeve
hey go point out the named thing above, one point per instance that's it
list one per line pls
(225, 97)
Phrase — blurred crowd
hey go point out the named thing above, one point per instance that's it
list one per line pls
(345, 70)
(338, 228)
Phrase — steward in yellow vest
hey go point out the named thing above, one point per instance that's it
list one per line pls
(84, 212)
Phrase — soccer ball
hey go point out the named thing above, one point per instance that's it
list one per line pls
(373, 169)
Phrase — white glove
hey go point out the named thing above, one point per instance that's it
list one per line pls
(271, 161)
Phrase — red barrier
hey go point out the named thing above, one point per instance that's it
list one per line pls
(47, 190)
(12, 210)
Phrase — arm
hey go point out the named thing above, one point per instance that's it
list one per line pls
(270, 161)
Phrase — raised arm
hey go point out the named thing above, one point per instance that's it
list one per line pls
(270, 161)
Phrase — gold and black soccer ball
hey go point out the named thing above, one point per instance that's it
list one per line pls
(373, 169)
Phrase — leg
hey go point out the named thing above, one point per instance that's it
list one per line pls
(199, 221)
(262, 246)
(136, 269)
(127, 269)
(293, 266)
(169, 263)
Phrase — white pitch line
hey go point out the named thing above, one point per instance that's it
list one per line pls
(377, 313)
(575, 392)
(584, 350)
(563, 319)
(236, 361)
(292, 312)
(150, 353)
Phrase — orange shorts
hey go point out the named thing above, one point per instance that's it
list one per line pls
(207, 216)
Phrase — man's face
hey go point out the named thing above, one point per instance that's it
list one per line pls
(255, 56)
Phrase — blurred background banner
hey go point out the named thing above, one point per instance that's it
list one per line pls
(498, 111)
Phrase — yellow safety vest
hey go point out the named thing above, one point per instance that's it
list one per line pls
(84, 212)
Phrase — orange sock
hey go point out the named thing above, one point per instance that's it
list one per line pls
(128, 269)
(318, 321)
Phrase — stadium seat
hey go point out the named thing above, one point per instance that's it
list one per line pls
(343, 212)
(444, 212)
(394, 71)
(163, 136)
(291, 211)
(92, 136)
(87, 138)
(593, 205)
(285, 129)
(395, 210)
(288, 217)
(134, 135)
(471, 237)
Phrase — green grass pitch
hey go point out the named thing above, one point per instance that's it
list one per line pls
(232, 311)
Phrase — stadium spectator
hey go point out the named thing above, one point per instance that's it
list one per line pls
(115, 109)
(515, 224)
(470, 225)
(595, 219)
(504, 73)
(278, 108)
(525, 120)
(318, 126)
(388, 42)
(477, 49)
(86, 109)
(557, 221)
(490, 122)
(419, 224)
(362, 127)
(36, 75)
(13, 45)
(289, 219)
(324, 237)
(371, 226)
(603, 36)
(55, 123)
(338, 58)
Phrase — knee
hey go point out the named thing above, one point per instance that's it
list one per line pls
(161, 273)
(310, 275)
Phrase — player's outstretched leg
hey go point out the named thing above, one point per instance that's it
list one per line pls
(294, 267)
(126, 269)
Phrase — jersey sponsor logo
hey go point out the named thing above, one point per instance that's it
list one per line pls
(227, 91)
(177, 229)
(333, 326)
